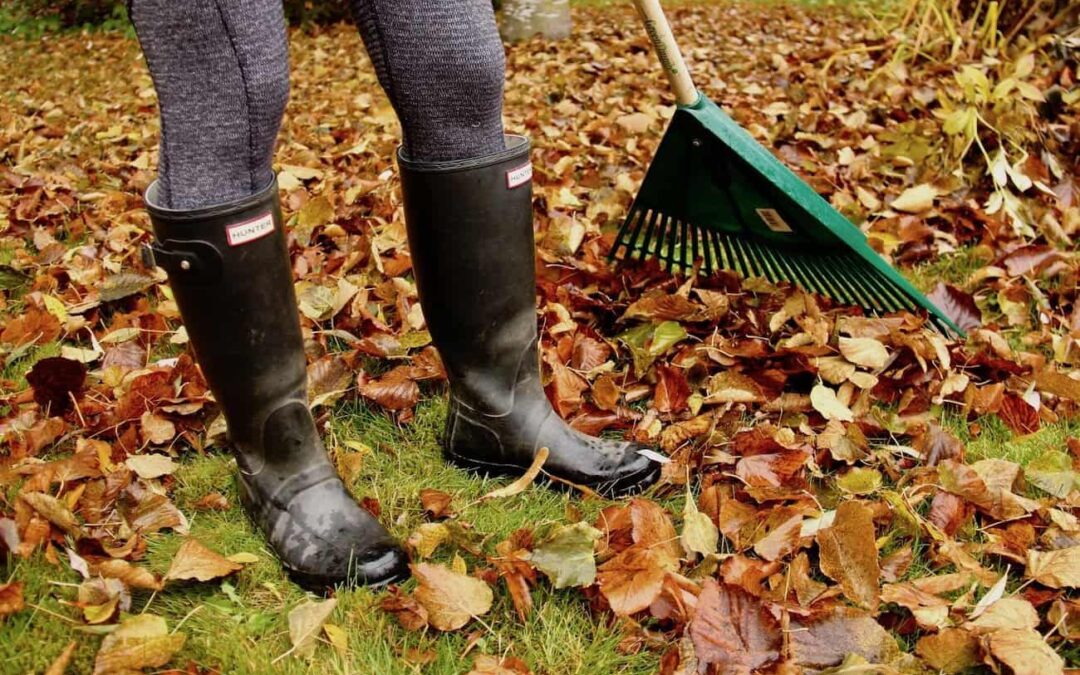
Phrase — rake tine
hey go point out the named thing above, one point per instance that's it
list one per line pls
(748, 257)
(843, 289)
(900, 298)
(729, 260)
(792, 274)
(638, 216)
(717, 247)
(660, 239)
(619, 237)
(672, 238)
(800, 274)
(695, 234)
(814, 271)
(774, 261)
(646, 241)
(684, 243)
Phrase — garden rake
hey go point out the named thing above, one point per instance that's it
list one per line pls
(714, 194)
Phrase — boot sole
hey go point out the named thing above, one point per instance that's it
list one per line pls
(322, 585)
(627, 485)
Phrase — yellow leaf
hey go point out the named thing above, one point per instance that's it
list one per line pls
(825, 402)
(195, 561)
(865, 352)
(451, 598)
(918, 199)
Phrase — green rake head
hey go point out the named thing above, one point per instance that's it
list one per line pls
(714, 194)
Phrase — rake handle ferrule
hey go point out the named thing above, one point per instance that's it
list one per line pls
(663, 40)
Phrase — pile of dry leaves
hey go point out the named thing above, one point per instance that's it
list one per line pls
(830, 521)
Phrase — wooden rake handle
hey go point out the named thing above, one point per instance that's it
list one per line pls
(663, 40)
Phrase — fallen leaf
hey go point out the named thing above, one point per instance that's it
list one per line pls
(699, 535)
(566, 555)
(957, 305)
(916, 199)
(732, 630)
(952, 650)
(1024, 652)
(849, 554)
(865, 352)
(53, 510)
(825, 402)
(141, 641)
(195, 561)
(631, 580)
(55, 380)
(11, 598)
(826, 640)
(151, 466)
(451, 598)
(306, 621)
(1056, 569)
(523, 481)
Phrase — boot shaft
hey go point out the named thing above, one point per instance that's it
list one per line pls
(229, 271)
(471, 240)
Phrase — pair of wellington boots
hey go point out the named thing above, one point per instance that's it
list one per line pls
(471, 238)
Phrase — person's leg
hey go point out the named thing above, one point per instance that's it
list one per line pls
(468, 209)
(221, 72)
(442, 66)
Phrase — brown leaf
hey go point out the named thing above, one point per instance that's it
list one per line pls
(948, 512)
(565, 389)
(849, 554)
(1056, 569)
(1018, 415)
(936, 444)
(34, 326)
(451, 599)
(141, 641)
(393, 391)
(731, 629)
(11, 598)
(663, 308)
(436, 503)
(1024, 652)
(632, 580)
(212, 501)
(493, 665)
(53, 510)
(957, 305)
(409, 613)
(136, 577)
(824, 641)
(195, 561)
(953, 650)
(672, 390)
(652, 527)
(55, 380)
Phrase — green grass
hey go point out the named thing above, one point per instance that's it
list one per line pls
(245, 633)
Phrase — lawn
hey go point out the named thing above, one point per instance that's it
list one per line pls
(859, 105)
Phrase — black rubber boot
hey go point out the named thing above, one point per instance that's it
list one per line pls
(471, 238)
(229, 271)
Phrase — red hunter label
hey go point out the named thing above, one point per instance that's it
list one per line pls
(250, 230)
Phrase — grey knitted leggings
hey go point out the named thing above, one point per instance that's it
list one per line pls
(221, 71)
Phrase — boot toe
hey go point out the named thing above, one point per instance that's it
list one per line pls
(325, 539)
(635, 473)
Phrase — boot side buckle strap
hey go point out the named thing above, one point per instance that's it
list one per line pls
(185, 260)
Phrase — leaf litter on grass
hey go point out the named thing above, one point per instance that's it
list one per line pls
(830, 522)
